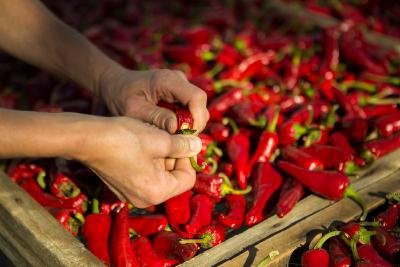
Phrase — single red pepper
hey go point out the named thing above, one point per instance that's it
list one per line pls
(339, 257)
(378, 148)
(301, 158)
(63, 187)
(318, 257)
(370, 257)
(24, 171)
(109, 201)
(178, 210)
(194, 55)
(355, 128)
(227, 168)
(218, 131)
(389, 217)
(290, 132)
(316, 136)
(338, 139)
(70, 219)
(208, 236)
(266, 182)
(228, 56)
(331, 53)
(244, 115)
(238, 147)
(167, 245)
(216, 186)
(332, 157)
(290, 102)
(387, 245)
(197, 35)
(331, 185)
(121, 251)
(237, 208)
(372, 112)
(388, 125)
(292, 191)
(31, 185)
(291, 76)
(201, 208)
(220, 105)
(147, 256)
(145, 225)
(268, 143)
(95, 231)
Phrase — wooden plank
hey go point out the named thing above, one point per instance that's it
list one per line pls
(308, 207)
(345, 210)
(30, 236)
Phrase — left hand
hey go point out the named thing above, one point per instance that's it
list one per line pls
(136, 94)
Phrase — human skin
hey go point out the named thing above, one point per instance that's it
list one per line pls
(135, 153)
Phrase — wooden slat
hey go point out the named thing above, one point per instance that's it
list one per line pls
(308, 207)
(30, 236)
(344, 211)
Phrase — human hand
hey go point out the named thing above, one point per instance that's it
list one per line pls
(136, 94)
(129, 156)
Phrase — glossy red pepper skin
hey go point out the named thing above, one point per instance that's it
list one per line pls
(30, 185)
(220, 105)
(145, 225)
(178, 210)
(237, 208)
(387, 245)
(315, 258)
(338, 139)
(339, 257)
(292, 191)
(377, 111)
(24, 171)
(206, 84)
(121, 251)
(369, 255)
(266, 181)
(215, 234)
(387, 125)
(109, 201)
(96, 231)
(66, 218)
(290, 132)
(218, 131)
(197, 35)
(354, 128)
(167, 245)
(331, 157)
(331, 185)
(190, 54)
(383, 146)
(228, 56)
(331, 53)
(209, 185)
(237, 148)
(63, 187)
(301, 158)
(389, 217)
(201, 208)
(147, 256)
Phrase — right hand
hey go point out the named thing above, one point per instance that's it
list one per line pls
(130, 157)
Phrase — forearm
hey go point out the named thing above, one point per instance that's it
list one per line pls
(30, 32)
(36, 134)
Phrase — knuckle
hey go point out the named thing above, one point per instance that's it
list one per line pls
(154, 195)
(200, 95)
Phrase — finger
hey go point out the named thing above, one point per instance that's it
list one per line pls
(161, 117)
(185, 176)
(184, 146)
(170, 164)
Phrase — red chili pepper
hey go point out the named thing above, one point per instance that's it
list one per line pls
(292, 191)
(145, 225)
(228, 56)
(63, 187)
(197, 35)
(289, 102)
(218, 131)
(338, 139)
(331, 185)
(178, 210)
(70, 219)
(95, 231)
(318, 257)
(193, 55)
(332, 157)
(316, 136)
(370, 257)
(386, 244)
(380, 110)
(378, 148)
(291, 76)
(24, 171)
(331, 55)
(388, 124)
(269, 141)
(290, 132)
(216, 186)
(351, 110)
(266, 182)
(121, 251)
(167, 245)
(339, 257)
(109, 201)
(220, 105)
(238, 147)
(30, 185)
(301, 158)
(355, 128)
(208, 236)
(206, 84)
(243, 114)
(147, 256)
(201, 208)
(389, 217)
(227, 168)
(237, 208)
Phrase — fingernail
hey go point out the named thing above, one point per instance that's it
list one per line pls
(195, 144)
(170, 127)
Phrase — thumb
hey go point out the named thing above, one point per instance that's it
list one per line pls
(184, 146)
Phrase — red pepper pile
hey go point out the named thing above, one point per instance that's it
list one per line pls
(292, 112)
(372, 243)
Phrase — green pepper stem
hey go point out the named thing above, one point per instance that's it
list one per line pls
(346, 85)
(350, 193)
(260, 123)
(219, 85)
(194, 240)
(310, 115)
(394, 196)
(95, 206)
(40, 179)
(75, 192)
(350, 167)
(353, 246)
(231, 123)
(325, 237)
(217, 151)
(227, 181)
(79, 217)
(196, 166)
(299, 130)
(368, 156)
(214, 165)
(330, 118)
(371, 224)
(214, 71)
(226, 189)
(380, 101)
(384, 79)
(268, 259)
(273, 123)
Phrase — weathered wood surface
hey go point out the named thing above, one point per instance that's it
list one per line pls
(307, 208)
(30, 236)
